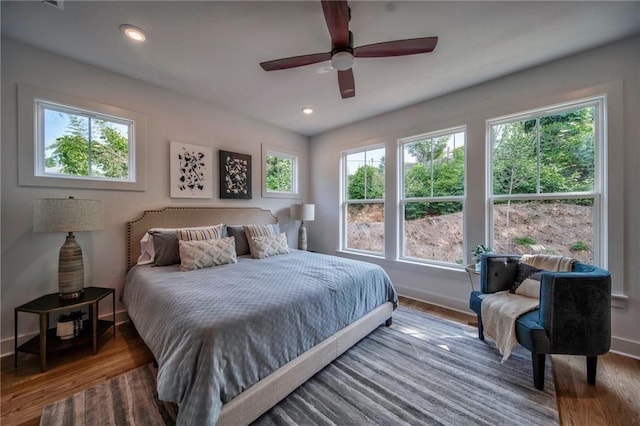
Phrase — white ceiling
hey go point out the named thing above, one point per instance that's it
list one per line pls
(212, 50)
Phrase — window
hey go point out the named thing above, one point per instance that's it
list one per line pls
(79, 143)
(71, 142)
(279, 172)
(547, 181)
(432, 196)
(363, 200)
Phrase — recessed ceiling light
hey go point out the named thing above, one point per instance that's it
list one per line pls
(307, 110)
(133, 32)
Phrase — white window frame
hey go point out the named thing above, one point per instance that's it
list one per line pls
(403, 200)
(287, 153)
(599, 191)
(44, 104)
(345, 202)
(31, 141)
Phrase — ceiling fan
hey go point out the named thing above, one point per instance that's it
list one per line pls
(337, 14)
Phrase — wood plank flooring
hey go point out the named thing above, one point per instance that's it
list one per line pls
(615, 400)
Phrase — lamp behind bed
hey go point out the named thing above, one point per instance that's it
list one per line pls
(303, 212)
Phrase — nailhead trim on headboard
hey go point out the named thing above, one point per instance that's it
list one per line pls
(179, 217)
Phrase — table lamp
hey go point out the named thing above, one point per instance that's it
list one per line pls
(68, 215)
(303, 212)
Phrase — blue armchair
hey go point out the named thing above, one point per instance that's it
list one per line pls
(574, 316)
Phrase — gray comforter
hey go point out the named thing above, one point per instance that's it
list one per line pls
(217, 331)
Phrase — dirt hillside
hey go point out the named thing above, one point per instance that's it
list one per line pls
(547, 228)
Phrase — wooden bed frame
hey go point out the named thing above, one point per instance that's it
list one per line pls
(259, 398)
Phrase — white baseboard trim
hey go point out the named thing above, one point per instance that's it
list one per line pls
(434, 299)
(6, 345)
(625, 347)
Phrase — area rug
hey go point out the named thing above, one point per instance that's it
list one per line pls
(422, 370)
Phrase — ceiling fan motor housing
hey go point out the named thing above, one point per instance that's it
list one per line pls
(342, 60)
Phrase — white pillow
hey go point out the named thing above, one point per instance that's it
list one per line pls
(200, 254)
(147, 253)
(269, 246)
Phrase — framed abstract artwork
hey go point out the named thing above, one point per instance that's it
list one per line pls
(191, 171)
(235, 175)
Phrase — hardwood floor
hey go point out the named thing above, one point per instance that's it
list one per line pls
(615, 400)
(25, 391)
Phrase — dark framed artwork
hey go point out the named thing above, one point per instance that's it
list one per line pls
(235, 175)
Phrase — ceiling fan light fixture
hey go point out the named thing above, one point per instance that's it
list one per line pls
(342, 61)
(133, 32)
(307, 110)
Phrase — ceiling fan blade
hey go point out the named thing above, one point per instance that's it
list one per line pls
(336, 13)
(346, 84)
(295, 61)
(410, 46)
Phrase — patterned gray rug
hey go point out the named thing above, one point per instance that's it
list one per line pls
(422, 370)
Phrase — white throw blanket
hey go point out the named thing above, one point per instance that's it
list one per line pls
(499, 313)
(548, 262)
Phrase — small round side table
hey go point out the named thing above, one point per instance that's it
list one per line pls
(471, 271)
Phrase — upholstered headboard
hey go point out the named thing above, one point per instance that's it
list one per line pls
(178, 217)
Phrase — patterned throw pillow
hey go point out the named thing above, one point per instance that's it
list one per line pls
(269, 246)
(527, 282)
(253, 231)
(201, 234)
(206, 253)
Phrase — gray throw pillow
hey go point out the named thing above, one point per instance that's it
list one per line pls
(242, 245)
(166, 248)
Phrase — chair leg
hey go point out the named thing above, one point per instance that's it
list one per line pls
(389, 322)
(592, 364)
(538, 370)
(480, 329)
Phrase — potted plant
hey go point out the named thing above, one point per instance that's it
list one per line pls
(69, 325)
(477, 253)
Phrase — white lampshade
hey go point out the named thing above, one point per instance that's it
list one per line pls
(305, 212)
(67, 215)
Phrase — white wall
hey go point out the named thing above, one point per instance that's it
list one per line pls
(29, 260)
(613, 68)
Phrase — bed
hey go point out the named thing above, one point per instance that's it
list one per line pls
(231, 341)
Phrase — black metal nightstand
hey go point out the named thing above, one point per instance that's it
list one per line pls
(47, 341)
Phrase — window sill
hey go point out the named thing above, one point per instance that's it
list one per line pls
(407, 265)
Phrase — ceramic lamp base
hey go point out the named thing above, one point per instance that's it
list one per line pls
(302, 236)
(70, 269)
